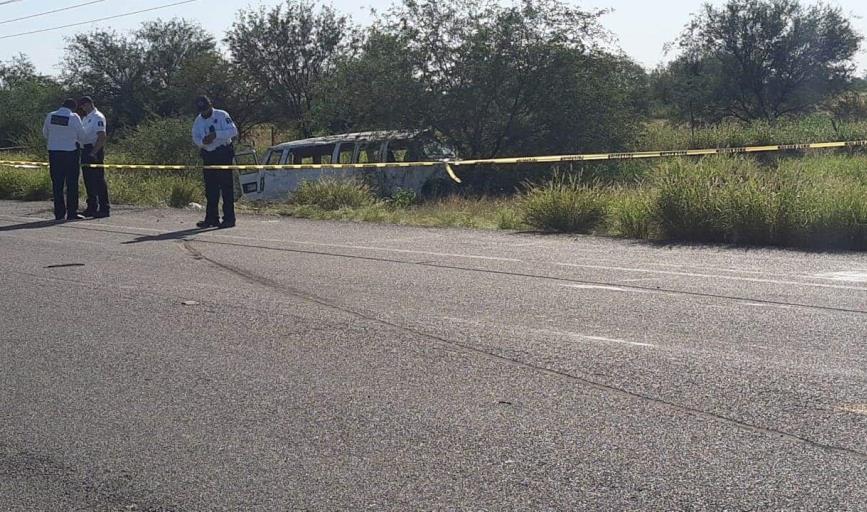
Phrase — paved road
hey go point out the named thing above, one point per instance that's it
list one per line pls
(296, 365)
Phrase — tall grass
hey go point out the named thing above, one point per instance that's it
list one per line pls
(144, 188)
(814, 202)
(25, 184)
(331, 195)
(815, 128)
(564, 204)
(818, 202)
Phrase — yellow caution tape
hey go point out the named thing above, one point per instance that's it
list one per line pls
(15, 163)
(659, 154)
(449, 165)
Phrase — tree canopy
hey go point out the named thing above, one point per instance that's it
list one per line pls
(760, 59)
(493, 78)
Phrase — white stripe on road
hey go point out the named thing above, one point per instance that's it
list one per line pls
(712, 276)
(604, 288)
(760, 305)
(854, 276)
(546, 332)
(575, 335)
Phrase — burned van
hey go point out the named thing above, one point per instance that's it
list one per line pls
(382, 147)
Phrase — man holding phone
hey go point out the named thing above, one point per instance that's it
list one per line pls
(214, 133)
(93, 152)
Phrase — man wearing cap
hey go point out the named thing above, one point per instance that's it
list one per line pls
(93, 152)
(213, 133)
(65, 133)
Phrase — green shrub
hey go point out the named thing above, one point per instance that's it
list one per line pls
(10, 183)
(719, 199)
(750, 212)
(156, 141)
(633, 214)
(816, 202)
(183, 193)
(564, 205)
(37, 187)
(689, 200)
(330, 195)
(830, 214)
(155, 188)
(403, 198)
(509, 218)
(25, 184)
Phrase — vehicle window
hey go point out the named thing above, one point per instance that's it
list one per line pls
(434, 150)
(368, 152)
(274, 157)
(401, 151)
(246, 159)
(347, 150)
(315, 154)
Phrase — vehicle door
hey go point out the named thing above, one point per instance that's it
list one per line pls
(246, 181)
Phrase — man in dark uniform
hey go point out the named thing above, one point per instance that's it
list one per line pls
(65, 134)
(93, 152)
(214, 132)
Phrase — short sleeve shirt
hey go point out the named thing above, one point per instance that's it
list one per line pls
(94, 124)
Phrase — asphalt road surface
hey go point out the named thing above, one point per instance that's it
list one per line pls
(297, 365)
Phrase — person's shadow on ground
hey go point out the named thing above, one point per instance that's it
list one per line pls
(165, 237)
(31, 225)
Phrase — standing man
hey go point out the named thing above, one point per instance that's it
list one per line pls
(93, 152)
(64, 132)
(213, 133)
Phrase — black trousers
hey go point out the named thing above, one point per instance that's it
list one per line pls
(94, 181)
(219, 184)
(65, 166)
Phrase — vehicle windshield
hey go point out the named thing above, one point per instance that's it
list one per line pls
(418, 150)
(435, 150)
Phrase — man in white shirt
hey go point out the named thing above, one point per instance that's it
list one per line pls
(64, 132)
(214, 132)
(93, 152)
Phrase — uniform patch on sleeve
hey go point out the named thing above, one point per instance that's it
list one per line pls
(59, 120)
(229, 121)
(100, 124)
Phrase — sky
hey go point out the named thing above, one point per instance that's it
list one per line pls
(641, 27)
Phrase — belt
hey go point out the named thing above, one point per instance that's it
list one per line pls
(229, 145)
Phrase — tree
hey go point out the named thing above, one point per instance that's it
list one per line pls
(491, 79)
(171, 50)
(483, 67)
(109, 67)
(374, 89)
(686, 90)
(214, 75)
(25, 97)
(286, 51)
(597, 103)
(771, 57)
(156, 71)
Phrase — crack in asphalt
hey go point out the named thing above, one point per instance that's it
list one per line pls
(273, 285)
